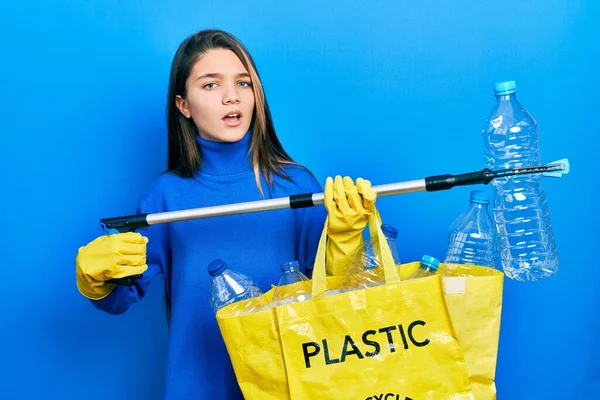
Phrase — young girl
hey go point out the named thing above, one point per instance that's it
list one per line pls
(222, 149)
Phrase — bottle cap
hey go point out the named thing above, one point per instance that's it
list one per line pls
(479, 197)
(389, 231)
(430, 262)
(216, 267)
(504, 88)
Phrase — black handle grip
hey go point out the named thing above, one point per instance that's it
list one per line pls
(447, 181)
(301, 200)
(120, 225)
(124, 224)
(126, 281)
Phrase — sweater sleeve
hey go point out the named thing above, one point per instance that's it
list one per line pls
(157, 256)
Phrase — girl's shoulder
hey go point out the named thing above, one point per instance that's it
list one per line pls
(301, 176)
(156, 192)
(164, 181)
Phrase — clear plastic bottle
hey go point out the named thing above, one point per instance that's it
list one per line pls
(365, 269)
(293, 285)
(428, 267)
(473, 236)
(228, 286)
(511, 140)
(391, 234)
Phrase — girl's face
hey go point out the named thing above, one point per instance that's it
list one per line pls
(220, 98)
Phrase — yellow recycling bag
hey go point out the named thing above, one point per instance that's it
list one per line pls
(393, 341)
(252, 341)
(473, 297)
(327, 356)
(474, 302)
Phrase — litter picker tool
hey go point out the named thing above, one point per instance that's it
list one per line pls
(435, 183)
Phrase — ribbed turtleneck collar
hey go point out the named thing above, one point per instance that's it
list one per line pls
(225, 158)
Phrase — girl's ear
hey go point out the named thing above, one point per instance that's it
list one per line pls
(182, 105)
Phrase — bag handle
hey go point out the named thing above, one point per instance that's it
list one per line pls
(380, 247)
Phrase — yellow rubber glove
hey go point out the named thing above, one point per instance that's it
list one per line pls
(349, 207)
(109, 257)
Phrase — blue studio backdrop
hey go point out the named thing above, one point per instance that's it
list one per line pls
(385, 90)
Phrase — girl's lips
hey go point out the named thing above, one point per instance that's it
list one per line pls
(232, 121)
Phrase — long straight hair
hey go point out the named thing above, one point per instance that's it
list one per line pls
(266, 152)
(184, 155)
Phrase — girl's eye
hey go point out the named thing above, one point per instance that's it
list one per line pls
(244, 84)
(210, 86)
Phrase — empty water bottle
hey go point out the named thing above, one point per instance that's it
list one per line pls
(428, 267)
(511, 140)
(365, 268)
(391, 234)
(472, 236)
(227, 287)
(293, 285)
(364, 271)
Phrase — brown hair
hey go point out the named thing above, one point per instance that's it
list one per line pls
(184, 156)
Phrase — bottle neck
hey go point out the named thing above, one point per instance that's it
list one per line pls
(289, 267)
(289, 271)
(506, 99)
(501, 97)
(427, 267)
(478, 205)
(219, 274)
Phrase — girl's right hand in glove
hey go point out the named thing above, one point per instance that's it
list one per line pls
(109, 257)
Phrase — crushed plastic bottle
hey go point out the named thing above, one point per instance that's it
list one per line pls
(365, 268)
(228, 287)
(364, 271)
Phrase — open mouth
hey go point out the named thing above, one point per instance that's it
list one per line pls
(233, 118)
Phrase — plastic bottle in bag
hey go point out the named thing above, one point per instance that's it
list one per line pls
(293, 285)
(511, 140)
(363, 274)
(228, 286)
(428, 267)
(365, 268)
(391, 234)
(472, 236)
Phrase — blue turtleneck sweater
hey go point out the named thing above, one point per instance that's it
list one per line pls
(198, 366)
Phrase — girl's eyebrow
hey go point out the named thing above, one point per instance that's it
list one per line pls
(218, 75)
